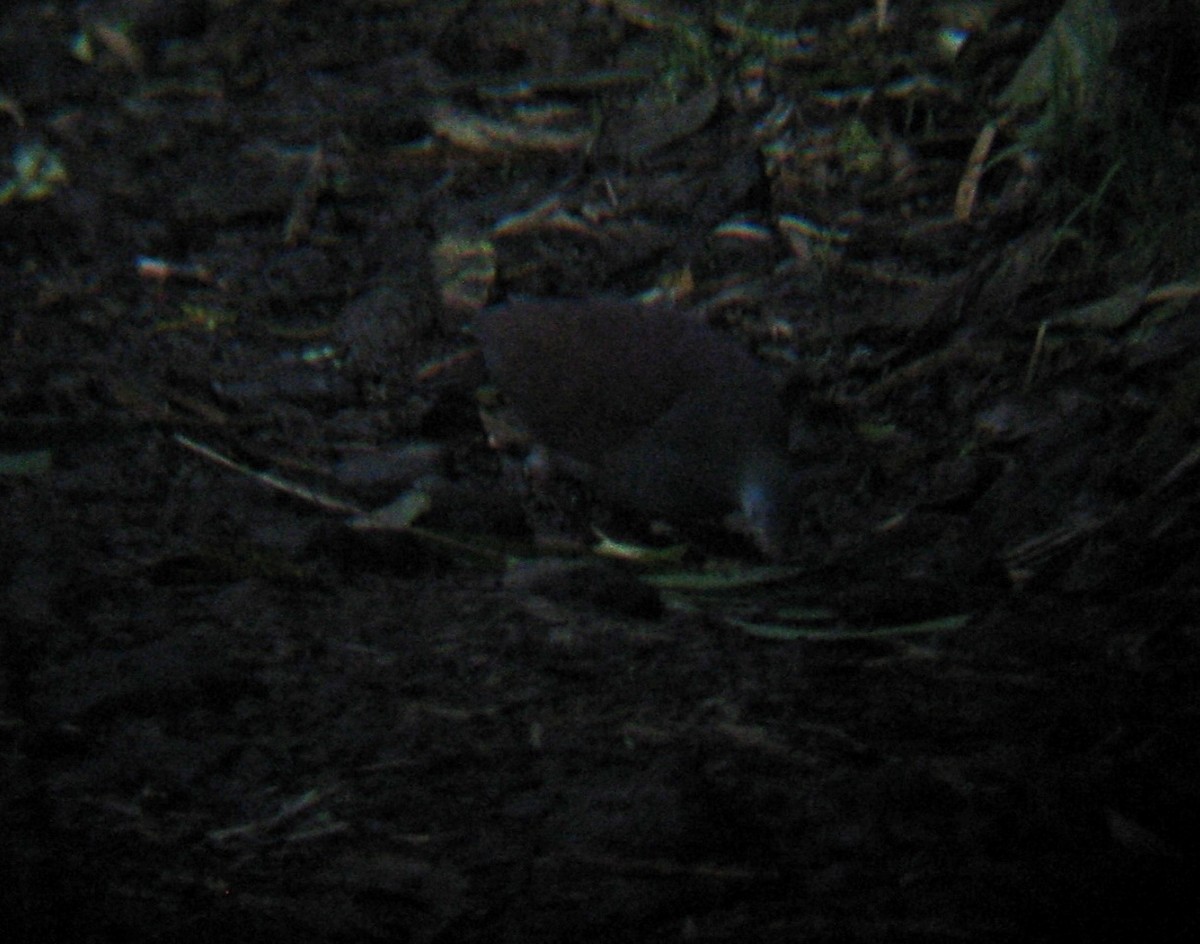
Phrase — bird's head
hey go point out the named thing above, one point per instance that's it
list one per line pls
(767, 500)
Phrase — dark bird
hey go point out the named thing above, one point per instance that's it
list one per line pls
(671, 417)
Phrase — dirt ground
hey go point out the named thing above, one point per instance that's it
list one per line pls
(240, 244)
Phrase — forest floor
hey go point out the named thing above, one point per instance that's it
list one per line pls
(240, 247)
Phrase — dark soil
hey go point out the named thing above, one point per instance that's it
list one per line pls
(228, 714)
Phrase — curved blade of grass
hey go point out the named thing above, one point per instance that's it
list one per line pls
(634, 553)
(719, 581)
(787, 633)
